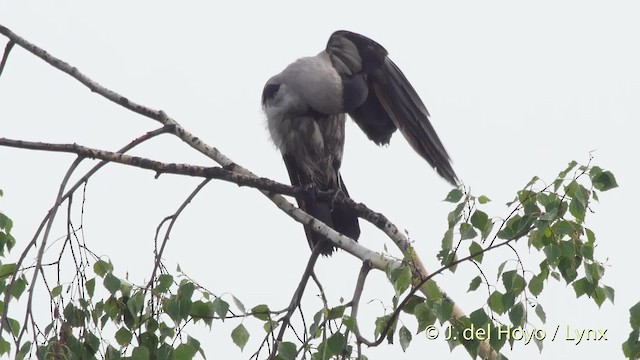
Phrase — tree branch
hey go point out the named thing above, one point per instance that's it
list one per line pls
(5, 55)
(297, 296)
(67, 195)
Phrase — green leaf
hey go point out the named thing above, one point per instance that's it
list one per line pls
(479, 220)
(570, 167)
(475, 248)
(140, 353)
(587, 251)
(405, 338)
(91, 286)
(424, 316)
(550, 215)
(532, 181)
(467, 231)
(186, 289)
(7, 270)
(443, 310)
(496, 341)
(164, 283)
(454, 217)
(111, 283)
(239, 304)
(101, 268)
(403, 280)
(541, 314)
(335, 343)
(381, 323)
(336, 312)
(348, 322)
(5, 347)
(609, 292)
(136, 303)
(454, 196)
(412, 302)
(583, 286)
(475, 283)
(202, 310)
(598, 296)
(172, 308)
(74, 316)
(516, 315)
(495, 302)
(513, 281)
(577, 192)
(5, 223)
(221, 307)
(527, 196)
(593, 272)
(14, 326)
(270, 326)
(287, 350)
(508, 299)
(185, 352)
(123, 336)
(552, 251)
(240, 336)
(535, 285)
(483, 199)
(631, 347)
(512, 228)
(604, 181)
(91, 343)
(56, 291)
(19, 285)
(447, 240)
(563, 227)
(479, 318)
(577, 209)
(591, 237)
(260, 312)
(500, 268)
(24, 350)
(634, 316)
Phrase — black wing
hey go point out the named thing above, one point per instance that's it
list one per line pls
(405, 109)
(392, 103)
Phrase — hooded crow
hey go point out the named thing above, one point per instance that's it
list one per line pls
(305, 106)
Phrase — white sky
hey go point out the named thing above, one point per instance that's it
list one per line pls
(514, 90)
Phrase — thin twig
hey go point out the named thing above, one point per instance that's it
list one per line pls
(43, 243)
(297, 295)
(5, 56)
(82, 180)
(355, 303)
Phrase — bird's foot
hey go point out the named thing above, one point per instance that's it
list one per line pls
(338, 196)
(310, 192)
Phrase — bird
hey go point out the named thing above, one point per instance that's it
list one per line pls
(306, 106)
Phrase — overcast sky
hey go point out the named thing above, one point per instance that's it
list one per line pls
(514, 90)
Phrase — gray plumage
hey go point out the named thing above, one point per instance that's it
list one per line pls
(306, 104)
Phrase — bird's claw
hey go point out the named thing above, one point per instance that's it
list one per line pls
(310, 191)
(338, 194)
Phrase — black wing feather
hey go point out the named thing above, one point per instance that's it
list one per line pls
(404, 107)
(392, 103)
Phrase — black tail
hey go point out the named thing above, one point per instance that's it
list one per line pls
(338, 218)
